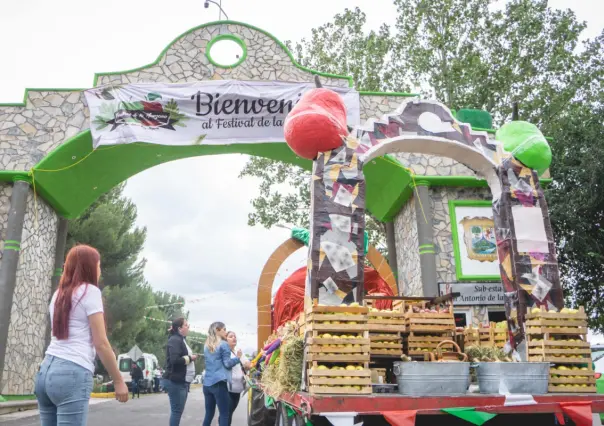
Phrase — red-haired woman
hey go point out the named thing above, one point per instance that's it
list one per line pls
(64, 382)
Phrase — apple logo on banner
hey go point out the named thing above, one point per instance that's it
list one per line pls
(432, 123)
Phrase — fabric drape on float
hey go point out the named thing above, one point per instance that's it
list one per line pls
(259, 414)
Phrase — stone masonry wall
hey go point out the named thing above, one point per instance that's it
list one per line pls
(25, 348)
(185, 61)
(377, 106)
(28, 133)
(431, 165)
(406, 240)
(443, 237)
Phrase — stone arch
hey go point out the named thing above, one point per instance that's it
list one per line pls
(51, 173)
(433, 145)
(274, 262)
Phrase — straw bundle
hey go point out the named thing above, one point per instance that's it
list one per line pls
(285, 375)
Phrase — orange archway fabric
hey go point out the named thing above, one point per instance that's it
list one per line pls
(289, 299)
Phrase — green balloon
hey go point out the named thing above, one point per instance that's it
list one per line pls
(526, 143)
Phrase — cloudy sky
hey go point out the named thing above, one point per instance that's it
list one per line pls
(195, 210)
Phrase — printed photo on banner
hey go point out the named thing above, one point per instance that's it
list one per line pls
(474, 244)
(222, 112)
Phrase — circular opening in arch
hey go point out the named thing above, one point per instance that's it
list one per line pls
(226, 51)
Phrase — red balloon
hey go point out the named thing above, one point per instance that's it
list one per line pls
(316, 124)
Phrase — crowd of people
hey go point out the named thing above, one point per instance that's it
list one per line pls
(64, 381)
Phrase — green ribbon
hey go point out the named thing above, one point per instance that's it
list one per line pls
(290, 411)
(303, 235)
(470, 415)
(269, 402)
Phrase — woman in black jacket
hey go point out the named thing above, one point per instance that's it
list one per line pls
(180, 369)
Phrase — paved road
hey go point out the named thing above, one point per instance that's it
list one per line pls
(152, 410)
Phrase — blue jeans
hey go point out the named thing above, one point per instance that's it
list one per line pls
(136, 388)
(177, 393)
(63, 390)
(235, 397)
(214, 395)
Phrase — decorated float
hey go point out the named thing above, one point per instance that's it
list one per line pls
(350, 349)
(350, 353)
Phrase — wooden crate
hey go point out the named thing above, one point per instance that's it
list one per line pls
(426, 330)
(484, 334)
(537, 342)
(572, 381)
(338, 337)
(561, 339)
(556, 323)
(492, 336)
(542, 313)
(559, 351)
(338, 347)
(500, 338)
(418, 344)
(471, 337)
(392, 321)
(339, 381)
(336, 318)
(386, 344)
(387, 321)
(430, 322)
(320, 309)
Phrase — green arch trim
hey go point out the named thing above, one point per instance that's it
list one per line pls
(230, 37)
(74, 175)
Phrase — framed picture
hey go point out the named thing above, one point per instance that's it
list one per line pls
(474, 244)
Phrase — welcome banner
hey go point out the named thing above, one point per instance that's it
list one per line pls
(219, 112)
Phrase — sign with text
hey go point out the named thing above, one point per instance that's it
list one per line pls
(218, 112)
(474, 294)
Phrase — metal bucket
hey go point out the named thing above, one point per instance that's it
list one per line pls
(513, 377)
(432, 378)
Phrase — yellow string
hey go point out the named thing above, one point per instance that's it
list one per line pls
(77, 162)
(33, 178)
(412, 173)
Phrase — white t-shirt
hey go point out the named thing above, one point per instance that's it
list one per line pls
(78, 347)
(236, 385)
(190, 375)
